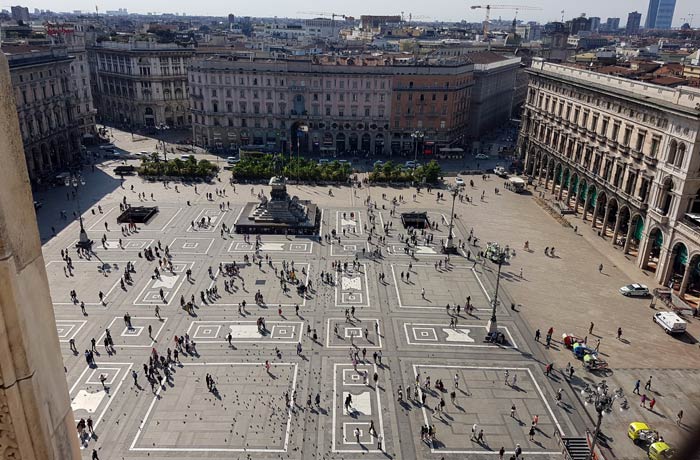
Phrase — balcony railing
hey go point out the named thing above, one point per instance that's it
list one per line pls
(651, 161)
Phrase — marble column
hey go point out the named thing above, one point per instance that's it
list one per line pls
(628, 238)
(684, 282)
(595, 212)
(36, 420)
(616, 229)
(606, 216)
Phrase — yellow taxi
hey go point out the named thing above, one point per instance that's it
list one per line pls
(660, 451)
(635, 429)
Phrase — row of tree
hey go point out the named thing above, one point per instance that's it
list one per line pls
(189, 168)
(302, 169)
(394, 172)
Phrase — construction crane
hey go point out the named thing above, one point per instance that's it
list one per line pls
(322, 14)
(488, 9)
(411, 17)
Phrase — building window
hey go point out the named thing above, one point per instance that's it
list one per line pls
(655, 142)
(639, 145)
(627, 136)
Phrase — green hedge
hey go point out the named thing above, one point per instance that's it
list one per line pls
(392, 172)
(177, 168)
(295, 169)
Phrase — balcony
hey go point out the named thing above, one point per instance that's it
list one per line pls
(690, 227)
(637, 155)
(624, 149)
(612, 143)
(651, 161)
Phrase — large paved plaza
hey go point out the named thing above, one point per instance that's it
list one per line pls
(401, 331)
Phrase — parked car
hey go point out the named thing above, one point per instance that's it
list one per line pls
(481, 156)
(324, 161)
(670, 322)
(660, 451)
(459, 182)
(634, 290)
(378, 163)
(412, 164)
(232, 160)
(106, 146)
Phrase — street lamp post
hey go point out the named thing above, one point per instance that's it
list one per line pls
(603, 403)
(450, 247)
(417, 136)
(493, 322)
(76, 180)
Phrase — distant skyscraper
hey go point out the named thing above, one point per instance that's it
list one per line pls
(595, 23)
(612, 24)
(20, 13)
(660, 14)
(633, 20)
(579, 24)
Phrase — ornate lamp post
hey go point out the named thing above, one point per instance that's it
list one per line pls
(499, 258)
(603, 403)
(450, 247)
(76, 180)
(417, 136)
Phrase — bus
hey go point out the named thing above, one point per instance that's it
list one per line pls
(515, 184)
(256, 151)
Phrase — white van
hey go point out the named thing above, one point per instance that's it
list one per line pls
(670, 322)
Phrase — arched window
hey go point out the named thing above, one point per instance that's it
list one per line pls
(666, 197)
(672, 150)
(680, 156)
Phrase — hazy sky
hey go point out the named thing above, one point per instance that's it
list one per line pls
(448, 10)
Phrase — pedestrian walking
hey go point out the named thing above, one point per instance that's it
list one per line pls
(644, 401)
(537, 335)
(501, 452)
(512, 411)
(532, 433)
(600, 268)
(590, 329)
(652, 403)
(636, 387)
(679, 418)
(647, 386)
(94, 455)
(619, 333)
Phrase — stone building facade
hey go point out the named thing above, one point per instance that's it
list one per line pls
(327, 105)
(36, 419)
(141, 84)
(493, 92)
(626, 155)
(47, 104)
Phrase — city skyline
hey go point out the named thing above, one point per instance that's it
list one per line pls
(551, 9)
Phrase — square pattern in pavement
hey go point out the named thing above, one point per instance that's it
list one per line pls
(394, 332)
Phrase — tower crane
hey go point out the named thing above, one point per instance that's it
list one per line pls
(490, 7)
